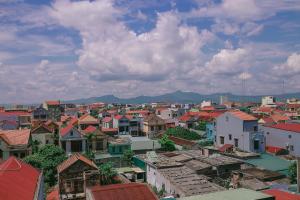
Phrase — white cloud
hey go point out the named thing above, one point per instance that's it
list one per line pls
(290, 68)
(112, 51)
(245, 76)
(228, 61)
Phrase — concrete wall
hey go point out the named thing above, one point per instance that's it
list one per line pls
(282, 139)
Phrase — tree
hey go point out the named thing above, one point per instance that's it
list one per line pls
(166, 143)
(89, 138)
(183, 133)
(94, 113)
(35, 146)
(127, 156)
(204, 143)
(47, 159)
(201, 126)
(107, 173)
(293, 172)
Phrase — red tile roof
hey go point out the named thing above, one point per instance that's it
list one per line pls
(106, 119)
(53, 195)
(278, 117)
(15, 137)
(185, 118)
(109, 129)
(287, 127)
(89, 129)
(53, 103)
(274, 150)
(134, 191)
(225, 148)
(18, 180)
(182, 142)
(208, 108)
(242, 115)
(282, 195)
(73, 159)
(42, 126)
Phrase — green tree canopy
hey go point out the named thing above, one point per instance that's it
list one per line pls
(47, 159)
(127, 156)
(201, 126)
(183, 133)
(293, 172)
(107, 173)
(166, 143)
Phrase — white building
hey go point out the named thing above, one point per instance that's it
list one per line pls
(205, 104)
(240, 130)
(268, 101)
(284, 136)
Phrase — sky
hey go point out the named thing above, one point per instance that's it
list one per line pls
(68, 49)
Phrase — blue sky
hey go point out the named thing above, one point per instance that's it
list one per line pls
(74, 49)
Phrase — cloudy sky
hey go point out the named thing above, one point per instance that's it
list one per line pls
(74, 49)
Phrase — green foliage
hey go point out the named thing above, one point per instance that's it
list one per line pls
(293, 172)
(201, 126)
(47, 159)
(204, 143)
(94, 113)
(127, 156)
(245, 109)
(183, 133)
(89, 139)
(35, 146)
(107, 174)
(166, 143)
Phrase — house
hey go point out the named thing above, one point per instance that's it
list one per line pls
(20, 180)
(188, 121)
(15, 143)
(285, 136)
(240, 130)
(142, 144)
(153, 124)
(72, 140)
(43, 134)
(171, 113)
(40, 114)
(175, 178)
(118, 146)
(8, 125)
(54, 110)
(122, 123)
(76, 174)
(136, 191)
(268, 101)
(96, 140)
(87, 120)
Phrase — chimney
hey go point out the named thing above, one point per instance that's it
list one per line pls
(298, 174)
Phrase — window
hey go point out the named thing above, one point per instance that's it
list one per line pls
(290, 136)
(221, 139)
(292, 147)
(268, 133)
(256, 144)
(152, 128)
(255, 128)
(227, 118)
(215, 138)
(236, 142)
(230, 137)
(71, 133)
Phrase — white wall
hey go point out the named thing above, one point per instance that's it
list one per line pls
(280, 138)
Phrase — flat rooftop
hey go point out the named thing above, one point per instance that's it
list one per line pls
(237, 194)
(188, 182)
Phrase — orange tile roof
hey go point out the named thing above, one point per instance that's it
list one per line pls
(242, 115)
(16, 137)
(53, 103)
(89, 129)
(74, 158)
(278, 117)
(136, 191)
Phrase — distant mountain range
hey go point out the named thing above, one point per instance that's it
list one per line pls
(179, 97)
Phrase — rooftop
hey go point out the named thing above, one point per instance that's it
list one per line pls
(237, 194)
(73, 159)
(18, 180)
(15, 137)
(136, 191)
(282, 195)
(187, 181)
(242, 115)
(287, 127)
